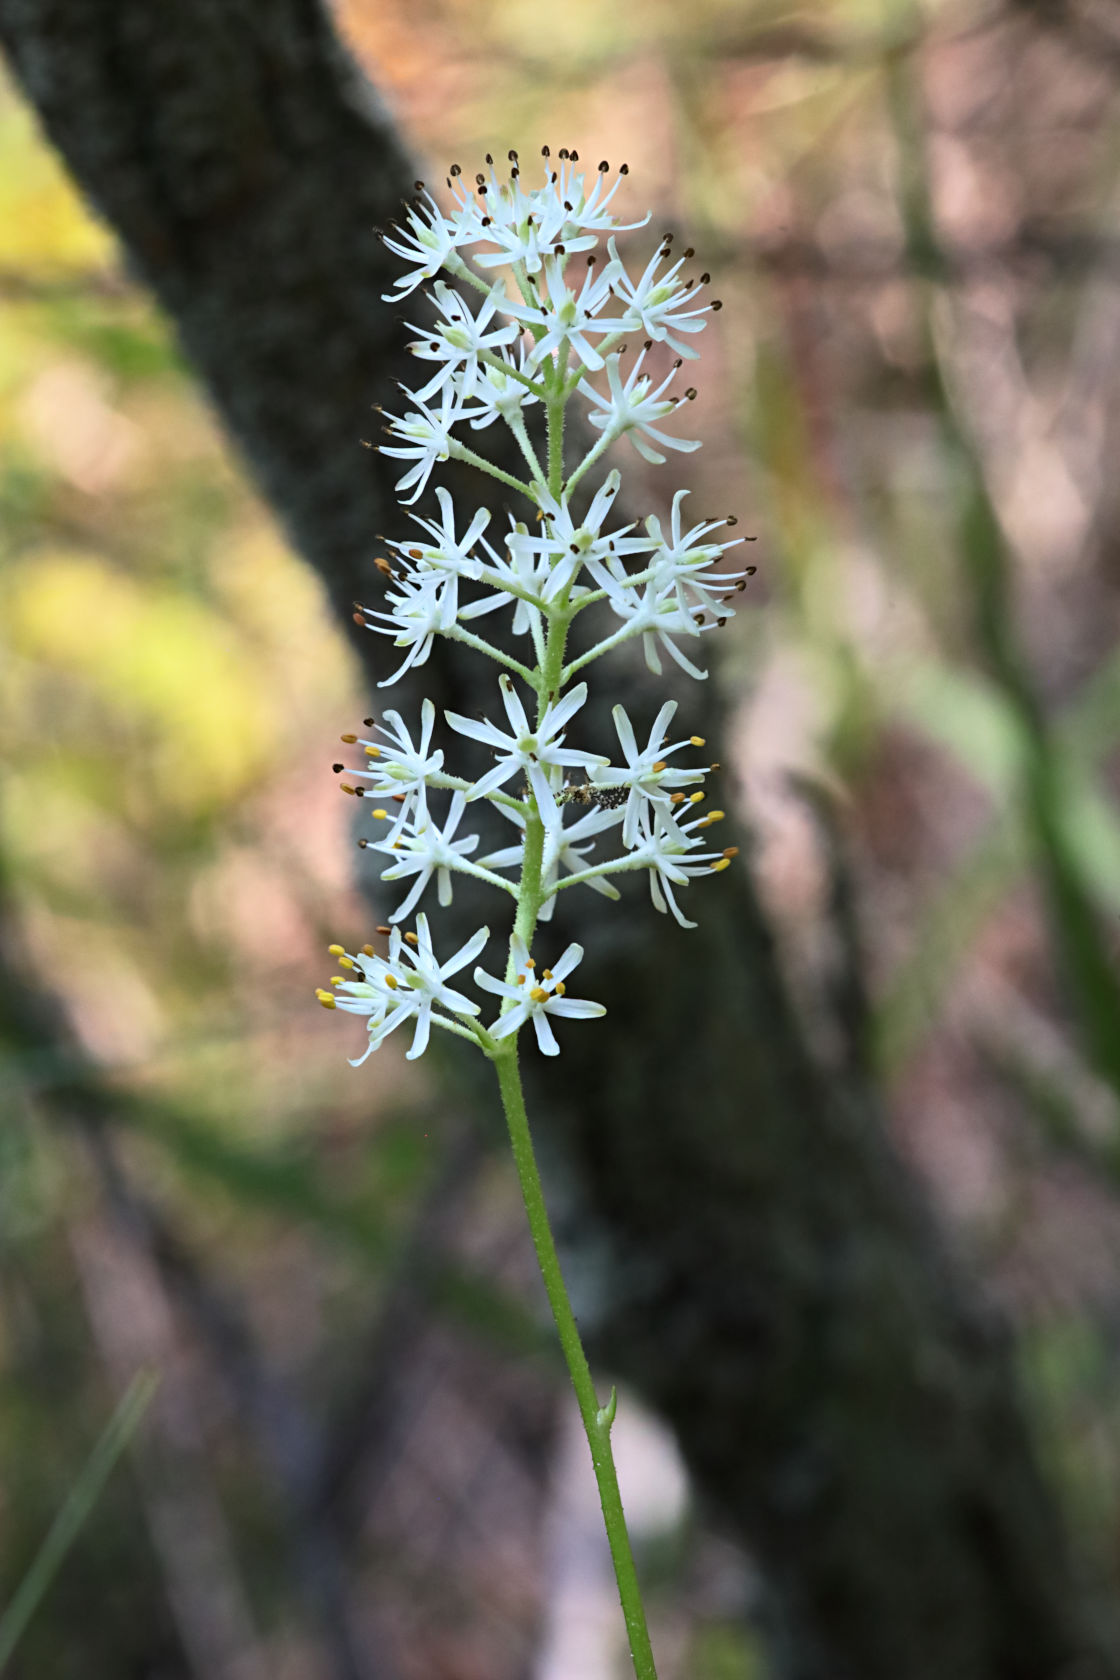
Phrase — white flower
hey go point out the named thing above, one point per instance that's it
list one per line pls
(420, 609)
(681, 560)
(562, 317)
(646, 773)
(458, 341)
(425, 437)
(657, 305)
(565, 545)
(563, 853)
(398, 767)
(404, 987)
(425, 243)
(652, 610)
(668, 850)
(500, 395)
(535, 997)
(634, 408)
(424, 849)
(447, 552)
(533, 751)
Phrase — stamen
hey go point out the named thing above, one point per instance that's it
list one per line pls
(336, 950)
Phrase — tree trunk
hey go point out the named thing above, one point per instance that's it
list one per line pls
(765, 1273)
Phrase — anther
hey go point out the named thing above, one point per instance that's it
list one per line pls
(369, 722)
(380, 813)
(689, 254)
(512, 155)
(624, 169)
(604, 167)
(731, 851)
(372, 752)
(383, 931)
(695, 798)
(346, 962)
(456, 169)
(659, 766)
(325, 998)
(697, 741)
(346, 788)
(338, 768)
(538, 994)
(716, 304)
(545, 152)
(391, 982)
(336, 950)
(751, 570)
(724, 863)
(349, 739)
(489, 159)
(691, 393)
(559, 989)
(563, 152)
(367, 950)
(412, 939)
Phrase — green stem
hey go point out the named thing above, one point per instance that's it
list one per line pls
(596, 1419)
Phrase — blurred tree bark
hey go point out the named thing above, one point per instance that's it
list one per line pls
(765, 1272)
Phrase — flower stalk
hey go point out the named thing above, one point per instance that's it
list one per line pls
(540, 336)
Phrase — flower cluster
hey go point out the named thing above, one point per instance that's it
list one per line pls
(548, 323)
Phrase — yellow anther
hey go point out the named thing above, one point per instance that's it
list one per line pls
(520, 979)
(337, 980)
(367, 950)
(724, 863)
(372, 752)
(346, 962)
(412, 939)
(380, 813)
(529, 963)
(560, 988)
(715, 816)
(349, 739)
(695, 798)
(391, 982)
(659, 766)
(538, 994)
(697, 741)
(336, 950)
(325, 998)
(731, 851)
(546, 974)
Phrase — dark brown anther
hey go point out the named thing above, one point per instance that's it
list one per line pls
(481, 180)
(338, 768)
(567, 207)
(679, 362)
(751, 570)
(419, 185)
(368, 722)
(512, 155)
(716, 304)
(648, 345)
(486, 220)
(689, 254)
(359, 793)
(545, 152)
(691, 393)
(732, 519)
(456, 169)
(489, 159)
(705, 278)
(721, 622)
(603, 167)
(574, 157)
(383, 931)
(362, 844)
(563, 152)
(624, 169)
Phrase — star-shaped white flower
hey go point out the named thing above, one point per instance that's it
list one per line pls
(405, 987)
(562, 317)
(420, 609)
(458, 341)
(533, 751)
(634, 408)
(563, 854)
(668, 848)
(446, 552)
(535, 997)
(395, 765)
(423, 437)
(425, 849)
(425, 243)
(646, 773)
(658, 305)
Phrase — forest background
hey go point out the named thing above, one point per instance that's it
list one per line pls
(360, 1461)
